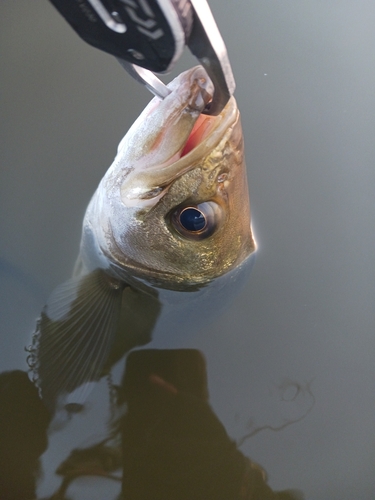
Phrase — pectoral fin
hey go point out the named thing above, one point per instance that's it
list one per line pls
(75, 333)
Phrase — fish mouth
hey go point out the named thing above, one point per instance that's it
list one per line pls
(204, 137)
(202, 128)
(179, 136)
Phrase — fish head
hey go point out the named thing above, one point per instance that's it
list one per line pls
(173, 209)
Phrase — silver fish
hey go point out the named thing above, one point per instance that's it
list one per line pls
(172, 212)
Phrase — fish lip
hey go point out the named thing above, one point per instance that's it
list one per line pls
(194, 96)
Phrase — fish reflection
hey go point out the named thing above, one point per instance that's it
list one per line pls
(170, 444)
(171, 214)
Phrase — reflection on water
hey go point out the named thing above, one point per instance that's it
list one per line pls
(174, 446)
(163, 439)
(23, 435)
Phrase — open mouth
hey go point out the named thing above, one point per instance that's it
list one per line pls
(147, 182)
(200, 131)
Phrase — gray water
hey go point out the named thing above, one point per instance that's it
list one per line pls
(294, 353)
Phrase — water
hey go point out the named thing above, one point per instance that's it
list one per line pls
(290, 363)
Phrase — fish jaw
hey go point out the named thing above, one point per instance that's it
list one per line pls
(203, 138)
(159, 135)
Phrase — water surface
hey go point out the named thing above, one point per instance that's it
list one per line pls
(288, 368)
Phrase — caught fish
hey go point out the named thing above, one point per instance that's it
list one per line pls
(172, 212)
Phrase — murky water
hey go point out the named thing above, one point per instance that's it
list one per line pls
(286, 372)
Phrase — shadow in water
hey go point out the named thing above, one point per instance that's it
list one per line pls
(168, 444)
(174, 446)
(24, 422)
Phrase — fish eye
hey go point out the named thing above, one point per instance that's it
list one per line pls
(197, 221)
(192, 219)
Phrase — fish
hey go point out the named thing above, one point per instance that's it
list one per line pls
(171, 213)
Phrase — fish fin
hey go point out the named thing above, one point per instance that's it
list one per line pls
(74, 335)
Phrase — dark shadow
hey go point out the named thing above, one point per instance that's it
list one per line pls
(23, 435)
(170, 445)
